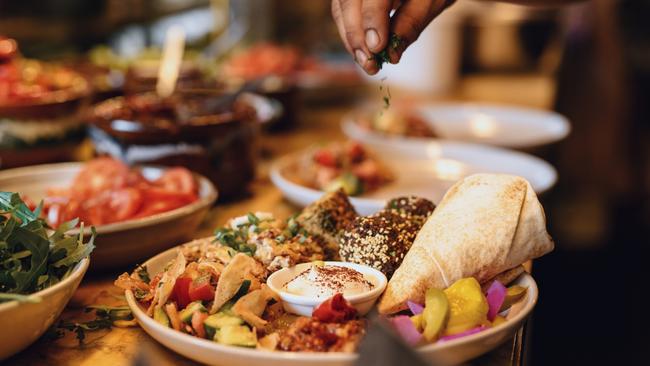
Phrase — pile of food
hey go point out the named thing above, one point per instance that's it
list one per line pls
(32, 257)
(106, 191)
(346, 165)
(448, 268)
(397, 122)
(40, 108)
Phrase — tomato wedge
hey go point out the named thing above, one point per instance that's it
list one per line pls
(201, 289)
(124, 204)
(177, 180)
(336, 309)
(99, 175)
(181, 292)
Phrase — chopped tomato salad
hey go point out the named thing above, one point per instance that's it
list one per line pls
(106, 191)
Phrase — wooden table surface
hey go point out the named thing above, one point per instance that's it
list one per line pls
(120, 346)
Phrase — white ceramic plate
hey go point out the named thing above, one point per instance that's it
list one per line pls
(121, 243)
(208, 352)
(492, 124)
(425, 170)
(23, 323)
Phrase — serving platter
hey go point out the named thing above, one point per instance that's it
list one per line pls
(425, 170)
(492, 124)
(122, 243)
(208, 352)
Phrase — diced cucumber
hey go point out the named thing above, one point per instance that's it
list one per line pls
(219, 320)
(160, 316)
(236, 335)
(186, 314)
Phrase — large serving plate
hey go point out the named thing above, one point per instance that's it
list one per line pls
(425, 170)
(126, 242)
(492, 124)
(208, 352)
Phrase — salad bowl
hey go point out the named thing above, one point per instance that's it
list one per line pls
(34, 318)
(209, 352)
(121, 243)
(425, 170)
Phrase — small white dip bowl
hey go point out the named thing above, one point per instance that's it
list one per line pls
(305, 305)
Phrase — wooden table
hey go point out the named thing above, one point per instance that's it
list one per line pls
(119, 346)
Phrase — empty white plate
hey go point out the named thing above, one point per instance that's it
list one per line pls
(491, 124)
(425, 170)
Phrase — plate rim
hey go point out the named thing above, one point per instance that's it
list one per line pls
(348, 122)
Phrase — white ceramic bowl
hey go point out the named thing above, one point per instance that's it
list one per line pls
(122, 243)
(492, 124)
(23, 323)
(426, 170)
(211, 353)
(303, 305)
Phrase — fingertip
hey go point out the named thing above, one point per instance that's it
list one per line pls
(373, 40)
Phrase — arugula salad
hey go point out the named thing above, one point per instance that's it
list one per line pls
(33, 256)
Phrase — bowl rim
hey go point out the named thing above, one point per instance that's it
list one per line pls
(380, 284)
(204, 200)
(528, 304)
(351, 128)
(78, 271)
(279, 179)
(283, 182)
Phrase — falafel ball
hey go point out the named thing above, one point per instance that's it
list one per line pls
(379, 241)
(411, 208)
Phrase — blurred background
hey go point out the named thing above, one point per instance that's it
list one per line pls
(589, 61)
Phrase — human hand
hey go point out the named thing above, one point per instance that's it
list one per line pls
(366, 28)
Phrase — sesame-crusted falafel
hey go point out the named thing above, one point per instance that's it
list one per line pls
(411, 208)
(380, 241)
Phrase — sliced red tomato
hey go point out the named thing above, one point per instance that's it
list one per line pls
(181, 292)
(177, 180)
(334, 310)
(124, 204)
(201, 289)
(99, 175)
(158, 200)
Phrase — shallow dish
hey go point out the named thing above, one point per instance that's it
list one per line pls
(23, 323)
(305, 306)
(121, 243)
(208, 352)
(492, 124)
(425, 170)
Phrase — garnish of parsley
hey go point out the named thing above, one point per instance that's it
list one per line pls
(383, 56)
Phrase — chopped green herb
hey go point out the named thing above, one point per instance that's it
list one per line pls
(32, 257)
(252, 219)
(383, 56)
(235, 238)
(105, 316)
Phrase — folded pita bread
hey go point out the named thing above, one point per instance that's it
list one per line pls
(485, 224)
